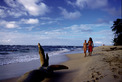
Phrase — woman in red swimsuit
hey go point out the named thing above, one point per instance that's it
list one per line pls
(90, 46)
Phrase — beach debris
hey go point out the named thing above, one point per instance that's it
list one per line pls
(111, 49)
(113, 69)
(114, 48)
(44, 71)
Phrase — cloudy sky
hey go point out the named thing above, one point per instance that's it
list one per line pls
(57, 22)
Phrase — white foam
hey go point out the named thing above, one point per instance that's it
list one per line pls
(26, 57)
(61, 51)
(18, 59)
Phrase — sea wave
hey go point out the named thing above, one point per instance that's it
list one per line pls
(4, 60)
(59, 52)
(17, 54)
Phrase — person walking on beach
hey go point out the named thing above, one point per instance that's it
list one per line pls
(85, 47)
(90, 46)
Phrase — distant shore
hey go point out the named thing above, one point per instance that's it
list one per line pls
(104, 65)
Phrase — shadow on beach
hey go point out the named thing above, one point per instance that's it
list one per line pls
(58, 76)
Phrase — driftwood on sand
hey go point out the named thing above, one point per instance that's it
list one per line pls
(44, 71)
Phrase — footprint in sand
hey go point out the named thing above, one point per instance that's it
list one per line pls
(120, 72)
(114, 69)
(95, 76)
(98, 73)
(93, 81)
(115, 76)
(118, 65)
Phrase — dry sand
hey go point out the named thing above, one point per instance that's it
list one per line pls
(104, 65)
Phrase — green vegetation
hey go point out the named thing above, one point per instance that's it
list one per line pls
(117, 28)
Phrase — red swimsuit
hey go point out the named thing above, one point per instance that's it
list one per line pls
(90, 48)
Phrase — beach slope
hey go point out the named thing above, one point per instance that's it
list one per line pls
(104, 65)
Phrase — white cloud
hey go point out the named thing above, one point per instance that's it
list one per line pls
(18, 38)
(113, 11)
(19, 8)
(10, 24)
(11, 12)
(15, 12)
(2, 13)
(10, 37)
(80, 28)
(46, 18)
(87, 27)
(49, 20)
(103, 5)
(33, 8)
(98, 42)
(71, 35)
(30, 21)
(71, 3)
(30, 28)
(103, 37)
(14, 9)
(89, 3)
(11, 3)
(70, 15)
(56, 32)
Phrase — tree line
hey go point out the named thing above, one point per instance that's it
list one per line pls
(117, 29)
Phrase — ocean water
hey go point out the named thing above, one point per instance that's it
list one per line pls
(10, 54)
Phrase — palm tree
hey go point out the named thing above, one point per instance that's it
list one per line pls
(117, 28)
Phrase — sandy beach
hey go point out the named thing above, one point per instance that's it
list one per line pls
(104, 65)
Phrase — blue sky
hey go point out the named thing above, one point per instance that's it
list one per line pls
(57, 22)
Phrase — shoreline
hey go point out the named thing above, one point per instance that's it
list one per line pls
(17, 69)
(103, 66)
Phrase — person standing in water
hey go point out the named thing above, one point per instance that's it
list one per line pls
(85, 47)
(90, 46)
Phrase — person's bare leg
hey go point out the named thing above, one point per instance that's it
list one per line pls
(85, 54)
(90, 53)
